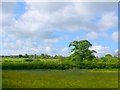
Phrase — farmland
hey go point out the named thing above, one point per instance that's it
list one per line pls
(44, 73)
(73, 78)
(59, 44)
(79, 70)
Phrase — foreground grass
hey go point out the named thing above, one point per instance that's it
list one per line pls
(0, 79)
(60, 78)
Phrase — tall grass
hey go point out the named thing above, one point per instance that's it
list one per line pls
(59, 79)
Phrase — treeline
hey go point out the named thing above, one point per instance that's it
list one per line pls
(41, 56)
(61, 63)
(82, 57)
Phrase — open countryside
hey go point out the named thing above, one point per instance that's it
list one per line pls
(55, 45)
(79, 70)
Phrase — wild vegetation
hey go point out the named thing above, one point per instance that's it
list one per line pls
(46, 71)
(82, 58)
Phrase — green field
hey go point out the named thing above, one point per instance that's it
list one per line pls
(74, 78)
(57, 73)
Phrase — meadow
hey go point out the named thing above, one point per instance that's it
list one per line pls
(59, 73)
(73, 78)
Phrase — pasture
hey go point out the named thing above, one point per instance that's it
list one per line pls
(72, 78)
(56, 73)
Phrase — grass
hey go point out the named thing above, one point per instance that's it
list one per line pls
(22, 59)
(0, 79)
(74, 78)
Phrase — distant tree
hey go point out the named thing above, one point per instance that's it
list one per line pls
(42, 55)
(106, 58)
(59, 57)
(26, 56)
(35, 55)
(20, 55)
(108, 55)
(55, 57)
(81, 50)
(103, 59)
(32, 56)
(46, 56)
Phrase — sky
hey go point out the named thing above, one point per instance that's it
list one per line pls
(49, 27)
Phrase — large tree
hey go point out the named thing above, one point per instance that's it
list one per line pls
(81, 50)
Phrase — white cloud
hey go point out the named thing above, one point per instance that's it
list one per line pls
(46, 6)
(51, 41)
(48, 49)
(108, 21)
(116, 53)
(101, 50)
(115, 36)
(65, 51)
(116, 50)
(73, 16)
(42, 19)
(92, 35)
(41, 22)
(95, 35)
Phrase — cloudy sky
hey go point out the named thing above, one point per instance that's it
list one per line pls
(49, 27)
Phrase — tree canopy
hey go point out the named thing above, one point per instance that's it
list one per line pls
(81, 50)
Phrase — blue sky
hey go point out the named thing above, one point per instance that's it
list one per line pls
(49, 27)
(19, 9)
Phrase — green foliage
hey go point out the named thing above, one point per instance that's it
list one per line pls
(74, 58)
(59, 57)
(28, 64)
(20, 55)
(81, 58)
(81, 50)
(26, 56)
(56, 64)
(108, 55)
(28, 60)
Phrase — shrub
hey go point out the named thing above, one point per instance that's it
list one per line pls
(28, 60)
(61, 65)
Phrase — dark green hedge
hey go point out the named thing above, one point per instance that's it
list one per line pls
(54, 65)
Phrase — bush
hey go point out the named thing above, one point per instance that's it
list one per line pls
(101, 65)
(30, 63)
(28, 60)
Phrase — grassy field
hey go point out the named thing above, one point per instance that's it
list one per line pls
(0, 79)
(60, 78)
